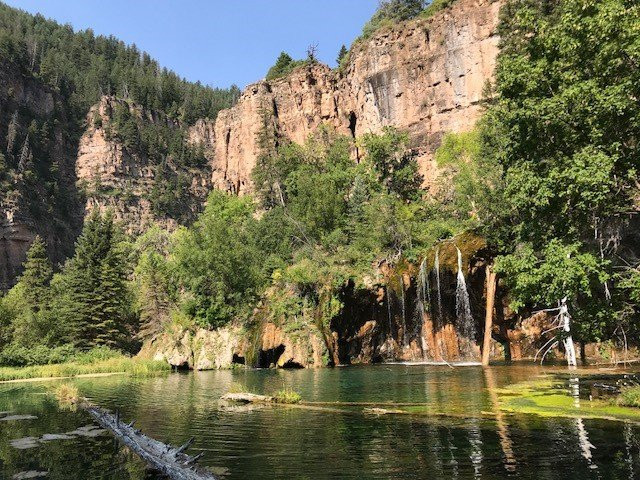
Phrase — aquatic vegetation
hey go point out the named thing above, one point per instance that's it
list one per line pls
(121, 364)
(67, 394)
(287, 397)
(629, 397)
(550, 397)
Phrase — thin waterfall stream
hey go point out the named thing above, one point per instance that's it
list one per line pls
(463, 305)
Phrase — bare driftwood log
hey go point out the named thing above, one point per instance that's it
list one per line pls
(169, 461)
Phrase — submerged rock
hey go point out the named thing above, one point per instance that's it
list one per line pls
(89, 431)
(24, 443)
(49, 437)
(14, 418)
(29, 474)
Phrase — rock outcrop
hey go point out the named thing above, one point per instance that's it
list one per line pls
(37, 184)
(122, 179)
(426, 76)
(225, 347)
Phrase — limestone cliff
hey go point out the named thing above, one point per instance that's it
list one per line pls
(426, 76)
(228, 346)
(125, 179)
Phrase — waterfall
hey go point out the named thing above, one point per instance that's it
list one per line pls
(404, 315)
(436, 267)
(389, 309)
(424, 290)
(424, 303)
(463, 305)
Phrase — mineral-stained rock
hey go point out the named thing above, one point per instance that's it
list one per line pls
(424, 76)
(202, 350)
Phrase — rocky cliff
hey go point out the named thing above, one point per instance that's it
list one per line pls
(37, 183)
(130, 181)
(426, 76)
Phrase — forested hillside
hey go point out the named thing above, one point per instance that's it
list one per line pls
(544, 189)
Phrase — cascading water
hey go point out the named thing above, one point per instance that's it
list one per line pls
(424, 303)
(463, 305)
(436, 267)
(404, 315)
(424, 290)
(389, 310)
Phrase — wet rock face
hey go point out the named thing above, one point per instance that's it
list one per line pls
(426, 76)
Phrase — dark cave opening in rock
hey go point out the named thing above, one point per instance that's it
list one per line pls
(237, 359)
(183, 367)
(292, 365)
(353, 122)
(267, 358)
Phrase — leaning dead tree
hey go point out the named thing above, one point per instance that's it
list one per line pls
(167, 460)
(562, 322)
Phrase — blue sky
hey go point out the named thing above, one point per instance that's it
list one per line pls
(219, 42)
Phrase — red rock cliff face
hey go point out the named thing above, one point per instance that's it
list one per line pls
(425, 76)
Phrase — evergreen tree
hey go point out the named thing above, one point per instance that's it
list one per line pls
(93, 298)
(37, 276)
(342, 54)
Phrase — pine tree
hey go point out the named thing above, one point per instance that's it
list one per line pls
(12, 134)
(26, 157)
(95, 302)
(37, 276)
(342, 54)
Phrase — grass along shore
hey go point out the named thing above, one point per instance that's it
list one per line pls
(119, 364)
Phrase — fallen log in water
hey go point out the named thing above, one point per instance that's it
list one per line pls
(169, 461)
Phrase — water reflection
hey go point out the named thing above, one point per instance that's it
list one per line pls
(466, 435)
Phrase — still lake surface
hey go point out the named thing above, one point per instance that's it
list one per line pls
(465, 438)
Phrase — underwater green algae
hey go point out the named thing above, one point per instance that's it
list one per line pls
(554, 398)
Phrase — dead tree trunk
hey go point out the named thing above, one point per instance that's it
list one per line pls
(163, 458)
(488, 321)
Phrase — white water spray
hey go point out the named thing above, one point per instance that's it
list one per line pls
(424, 289)
(463, 305)
(436, 267)
(404, 315)
(389, 309)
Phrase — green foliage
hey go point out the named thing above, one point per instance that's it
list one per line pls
(15, 355)
(83, 66)
(563, 125)
(329, 219)
(287, 397)
(542, 278)
(118, 364)
(37, 276)
(342, 54)
(152, 281)
(392, 11)
(472, 184)
(394, 163)
(91, 293)
(284, 65)
(217, 262)
(629, 397)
